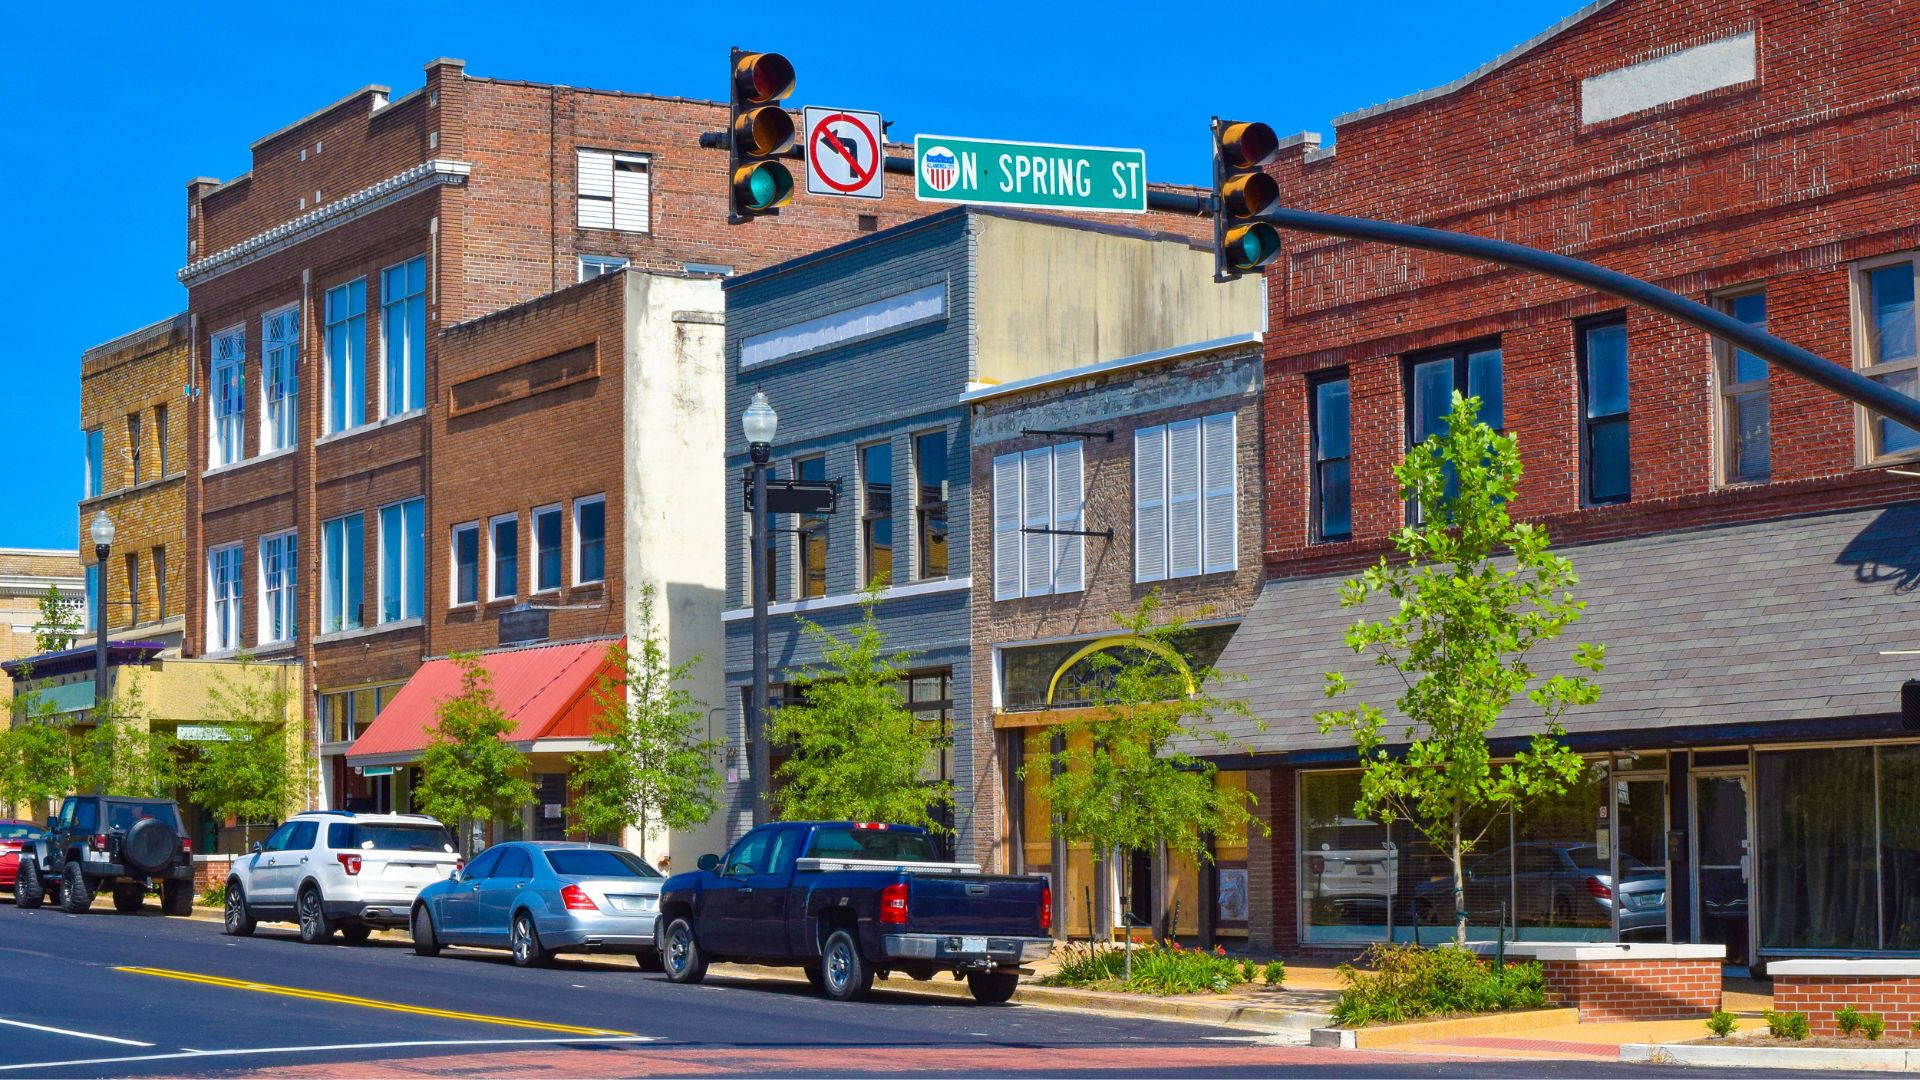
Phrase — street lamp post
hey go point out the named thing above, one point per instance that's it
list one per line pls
(101, 530)
(759, 423)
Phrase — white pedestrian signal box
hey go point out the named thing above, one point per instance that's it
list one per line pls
(845, 157)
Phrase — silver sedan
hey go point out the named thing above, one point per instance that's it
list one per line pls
(542, 898)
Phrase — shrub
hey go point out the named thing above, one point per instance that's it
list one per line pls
(1787, 1025)
(215, 896)
(1847, 1019)
(1274, 973)
(1246, 971)
(1409, 981)
(1722, 1023)
(1159, 968)
(1873, 1025)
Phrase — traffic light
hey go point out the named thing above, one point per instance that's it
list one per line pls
(760, 130)
(1242, 190)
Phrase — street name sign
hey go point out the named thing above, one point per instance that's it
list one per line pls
(843, 152)
(996, 172)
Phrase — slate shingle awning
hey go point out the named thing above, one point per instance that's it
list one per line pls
(1764, 623)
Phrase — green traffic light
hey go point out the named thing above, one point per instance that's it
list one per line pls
(1250, 247)
(762, 186)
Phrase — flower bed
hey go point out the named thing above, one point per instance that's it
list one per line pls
(1162, 967)
(1409, 982)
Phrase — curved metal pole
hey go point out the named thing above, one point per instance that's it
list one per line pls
(1840, 379)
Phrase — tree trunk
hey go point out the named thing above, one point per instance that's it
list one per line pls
(1459, 887)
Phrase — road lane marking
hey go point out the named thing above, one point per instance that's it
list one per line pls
(75, 1034)
(329, 1047)
(366, 1003)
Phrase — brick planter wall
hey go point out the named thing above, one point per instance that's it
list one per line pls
(209, 870)
(1609, 982)
(1819, 988)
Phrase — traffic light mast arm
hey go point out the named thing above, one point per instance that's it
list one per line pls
(1838, 378)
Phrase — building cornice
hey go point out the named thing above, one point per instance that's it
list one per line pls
(426, 175)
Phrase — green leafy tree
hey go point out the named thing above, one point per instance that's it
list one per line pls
(1472, 595)
(123, 754)
(856, 752)
(36, 755)
(59, 625)
(648, 763)
(1123, 780)
(256, 772)
(468, 773)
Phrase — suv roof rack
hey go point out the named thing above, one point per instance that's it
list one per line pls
(323, 813)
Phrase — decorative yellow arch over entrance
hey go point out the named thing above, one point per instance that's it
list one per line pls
(1117, 641)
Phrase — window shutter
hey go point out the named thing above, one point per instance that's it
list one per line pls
(1069, 552)
(631, 187)
(1006, 526)
(1220, 523)
(1150, 504)
(1183, 498)
(1036, 483)
(595, 189)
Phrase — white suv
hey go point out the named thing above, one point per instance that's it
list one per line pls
(335, 869)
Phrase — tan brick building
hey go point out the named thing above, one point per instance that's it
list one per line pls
(25, 576)
(132, 419)
(1156, 458)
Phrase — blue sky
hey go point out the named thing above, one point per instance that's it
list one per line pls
(112, 107)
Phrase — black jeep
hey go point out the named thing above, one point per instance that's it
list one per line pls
(108, 840)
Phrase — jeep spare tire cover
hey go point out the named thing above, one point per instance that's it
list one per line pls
(150, 845)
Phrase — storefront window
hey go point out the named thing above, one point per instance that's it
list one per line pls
(1900, 845)
(1347, 875)
(1563, 865)
(1815, 811)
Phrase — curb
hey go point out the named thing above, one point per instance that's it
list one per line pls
(1501, 1023)
(1049, 997)
(1771, 1057)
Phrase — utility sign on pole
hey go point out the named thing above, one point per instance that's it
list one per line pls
(844, 153)
(995, 172)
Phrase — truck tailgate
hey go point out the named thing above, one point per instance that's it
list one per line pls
(975, 904)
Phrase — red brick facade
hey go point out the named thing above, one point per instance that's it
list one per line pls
(1616, 990)
(1820, 996)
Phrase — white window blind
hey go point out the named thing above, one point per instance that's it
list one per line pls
(631, 188)
(596, 189)
(614, 190)
(1038, 490)
(1185, 510)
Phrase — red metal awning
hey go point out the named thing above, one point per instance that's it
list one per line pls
(547, 691)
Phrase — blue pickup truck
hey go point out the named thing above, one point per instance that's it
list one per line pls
(850, 900)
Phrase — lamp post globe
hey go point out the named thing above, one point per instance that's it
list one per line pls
(101, 529)
(759, 423)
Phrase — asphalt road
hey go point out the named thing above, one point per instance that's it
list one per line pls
(107, 995)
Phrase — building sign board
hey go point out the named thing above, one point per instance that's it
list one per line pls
(997, 172)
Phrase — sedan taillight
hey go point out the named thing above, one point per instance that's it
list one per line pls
(1599, 889)
(349, 863)
(893, 903)
(576, 899)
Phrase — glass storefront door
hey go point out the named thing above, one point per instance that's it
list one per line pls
(1723, 864)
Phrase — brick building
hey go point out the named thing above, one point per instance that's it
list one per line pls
(25, 576)
(1745, 540)
(865, 350)
(1156, 457)
(133, 424)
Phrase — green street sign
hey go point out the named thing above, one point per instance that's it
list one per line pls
(995, 172)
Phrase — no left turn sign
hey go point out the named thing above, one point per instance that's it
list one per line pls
(843, 152)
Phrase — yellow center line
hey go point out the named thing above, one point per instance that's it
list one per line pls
(365, 1003)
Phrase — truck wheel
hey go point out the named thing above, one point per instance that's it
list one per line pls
(684, 961)
(314, 927)
(76, 896)
(814, 977)
(27, 891)
(237, 920)
(992, 987)
(845, 975)
(176, 897)
(424, 943)
(129, 898)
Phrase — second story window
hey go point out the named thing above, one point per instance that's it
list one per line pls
(403, 544)
(133, 447)
(503, 545)
(876, 513)
(930, 504)
(613, 190)
(1432, 379)
(1037, 517)
(93, 480)
(546, 549)
(593, 266)
(466, 564)
(346, 356)
(93, 596)
(223, 598)
(132, 562)
(160, 583)
(1745, 439)
(342, 587)
(279, 378)
(1889, 347)
(160, 430)
(279, 582)
(403, 336)
(226, 398)
(813, 533)
(1608, 473)
(1185, 517)
(1331, 414)
(590, 540)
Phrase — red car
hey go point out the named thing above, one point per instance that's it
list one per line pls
(15, 835)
